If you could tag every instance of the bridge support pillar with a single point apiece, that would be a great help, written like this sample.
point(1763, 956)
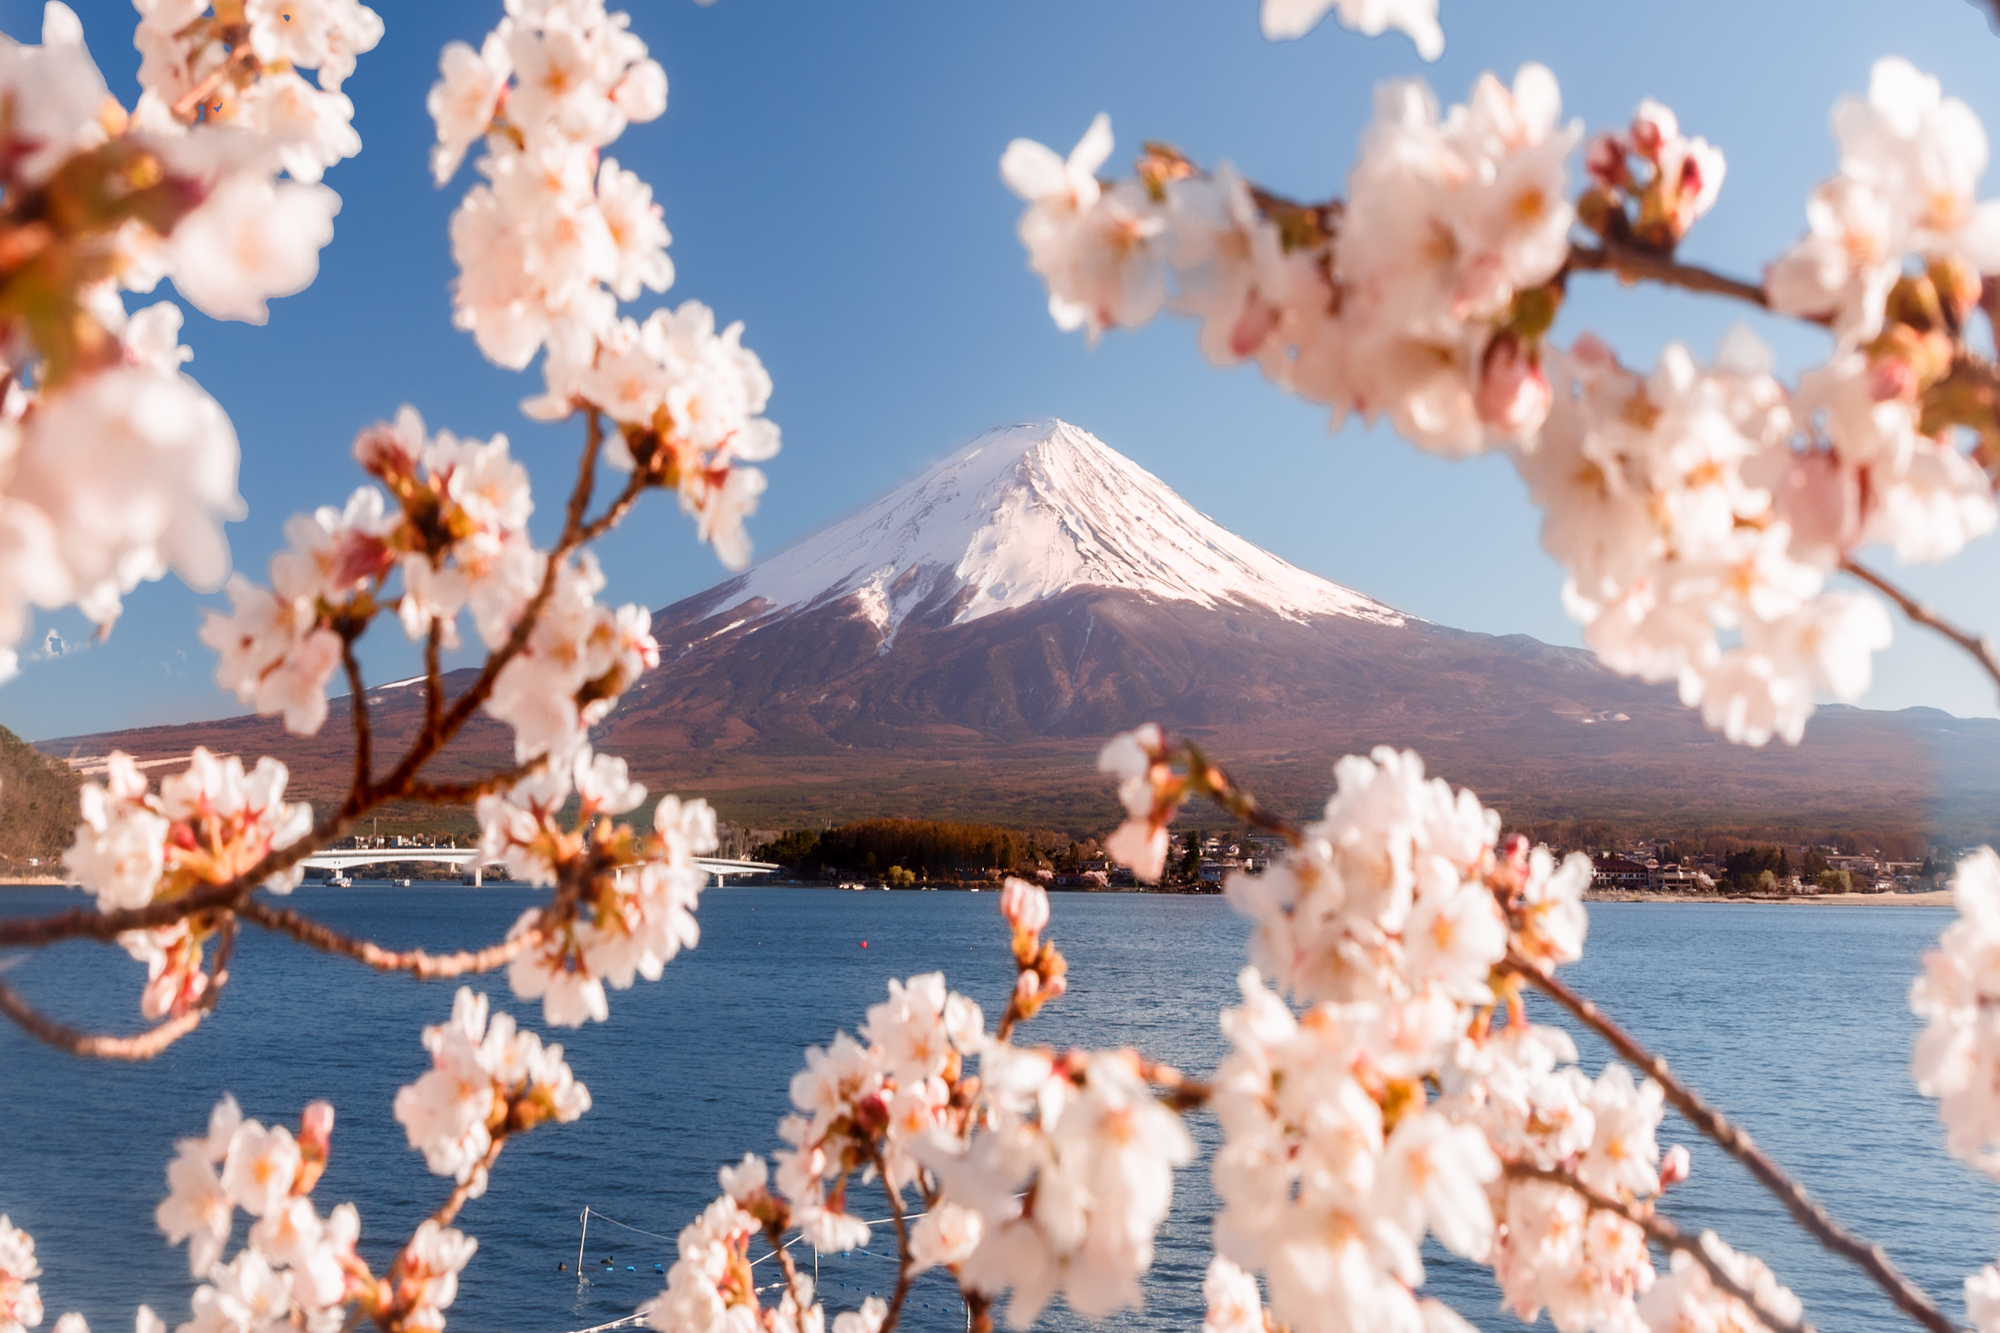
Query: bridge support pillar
point(478, 871)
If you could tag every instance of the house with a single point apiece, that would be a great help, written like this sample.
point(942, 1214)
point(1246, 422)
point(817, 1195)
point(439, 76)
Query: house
point(1618, 872)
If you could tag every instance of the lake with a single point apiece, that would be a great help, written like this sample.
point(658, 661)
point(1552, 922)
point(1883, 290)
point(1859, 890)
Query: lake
point(1793, 1019)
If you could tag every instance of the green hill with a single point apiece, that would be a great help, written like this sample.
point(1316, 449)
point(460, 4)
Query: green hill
point(38, 811)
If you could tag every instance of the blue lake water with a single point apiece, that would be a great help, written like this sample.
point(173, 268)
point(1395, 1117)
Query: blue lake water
point(1791, 1018)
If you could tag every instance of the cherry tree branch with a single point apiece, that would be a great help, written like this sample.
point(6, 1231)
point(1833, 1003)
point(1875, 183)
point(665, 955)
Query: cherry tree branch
point(424, 966)
point(621, 506)
point(1866, 1255)
point(1979, 646)
point(84, 923)
point(1668, 1236)
point(140, 1045)
point(467, 793)
point(1635, 265)
point(433, 677)
point(364, 758)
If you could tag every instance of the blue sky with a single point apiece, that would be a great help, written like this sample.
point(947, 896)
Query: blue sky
point(829, 173)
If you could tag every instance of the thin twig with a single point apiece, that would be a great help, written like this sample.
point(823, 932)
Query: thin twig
point(1980, 647)
point(611, 517)
point(364, 759)
point(1183, 1093)
point(1635, 264)
point(466, 793)
point(1668, 1236)
point(1209, 779)
point(905, 1261)
point(423, 966)
point(140, 1046)
point(1867, 1256)
point(433, 677)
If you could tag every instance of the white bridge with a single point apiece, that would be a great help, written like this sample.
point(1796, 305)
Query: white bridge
point(353, 858)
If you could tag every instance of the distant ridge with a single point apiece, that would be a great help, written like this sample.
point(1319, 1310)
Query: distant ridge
point(960, 646)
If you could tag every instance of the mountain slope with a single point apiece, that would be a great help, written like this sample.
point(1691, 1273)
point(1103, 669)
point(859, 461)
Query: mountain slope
point(961, 646)
point(1022, 514)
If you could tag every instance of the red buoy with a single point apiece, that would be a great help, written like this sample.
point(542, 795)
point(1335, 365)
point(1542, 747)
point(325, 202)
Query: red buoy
point(864, 944)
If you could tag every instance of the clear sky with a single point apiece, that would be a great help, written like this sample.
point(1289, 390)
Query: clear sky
point(829, 174)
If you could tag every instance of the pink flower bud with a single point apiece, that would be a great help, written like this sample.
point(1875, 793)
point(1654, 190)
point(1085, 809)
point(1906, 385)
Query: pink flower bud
point(1253, 326)
point(1653, 126)
point(1027, 984)
point(1514, 395)
point(1674, 1166)
point(1821, 500)
point(1605, 160)
point(316, 1126)
point(1025, 905)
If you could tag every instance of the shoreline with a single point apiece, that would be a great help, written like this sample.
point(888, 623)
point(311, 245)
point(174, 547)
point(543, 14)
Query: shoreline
point(1928, 898)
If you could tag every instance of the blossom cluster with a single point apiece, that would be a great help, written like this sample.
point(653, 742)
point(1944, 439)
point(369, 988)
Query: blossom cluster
point(867, 1106)
point(640, 892)
point(1424, 298)
point(296, 1265)
point(1387, 919)
point(1700, 510)
point(1045, 1174)
point(297, 1269)
point(114, 466)
point(208, 824)
point(558, 235)
point(487, 1078)
point(20, 1294)
point(457, 535)
point(711, 1289)
point(1069, 1172)
point(1398, 1106)
point(1522, 1090)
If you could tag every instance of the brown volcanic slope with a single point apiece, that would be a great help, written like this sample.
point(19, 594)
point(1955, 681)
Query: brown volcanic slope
point(804, 717)
point(960, 647)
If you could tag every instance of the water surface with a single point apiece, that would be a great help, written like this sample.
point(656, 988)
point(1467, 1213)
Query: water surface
point(1791, 1018)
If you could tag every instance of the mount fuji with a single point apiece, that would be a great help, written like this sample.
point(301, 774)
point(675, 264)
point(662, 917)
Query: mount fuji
point(960, 646)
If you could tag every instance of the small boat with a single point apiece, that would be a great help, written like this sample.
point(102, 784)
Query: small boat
point(856, 887)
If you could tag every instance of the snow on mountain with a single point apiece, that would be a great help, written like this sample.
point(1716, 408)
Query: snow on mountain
point(1020, 514)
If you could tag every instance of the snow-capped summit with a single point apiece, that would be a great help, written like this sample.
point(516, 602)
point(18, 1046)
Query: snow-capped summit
point(1019, 515)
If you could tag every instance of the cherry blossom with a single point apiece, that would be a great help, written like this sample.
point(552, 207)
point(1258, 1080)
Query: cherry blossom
point(1233, 1305)
point(425, 1277)
point(1957, 1057)
point(1151, 795)
point(1286, 19)
point(20, 1295)
point(486, 1074)
point(643, 894)
point(1687, 1300)
point(538, 256)
point(1910, 164)
point(1071, 1176)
